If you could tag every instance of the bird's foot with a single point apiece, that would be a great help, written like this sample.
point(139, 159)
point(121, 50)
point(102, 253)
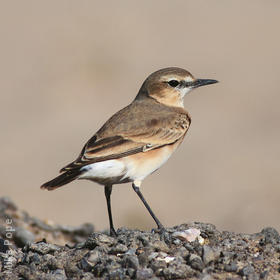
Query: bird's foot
point(160, 230)
point(113, 232)
point(163, 233)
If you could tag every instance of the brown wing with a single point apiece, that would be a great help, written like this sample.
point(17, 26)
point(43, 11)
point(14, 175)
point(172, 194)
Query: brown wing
point(130, 131)
point(105, 149)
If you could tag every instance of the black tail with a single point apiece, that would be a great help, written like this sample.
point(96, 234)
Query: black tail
point(62, 179)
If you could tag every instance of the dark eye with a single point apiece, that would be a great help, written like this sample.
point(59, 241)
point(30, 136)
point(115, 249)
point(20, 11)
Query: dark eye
point(173, 83)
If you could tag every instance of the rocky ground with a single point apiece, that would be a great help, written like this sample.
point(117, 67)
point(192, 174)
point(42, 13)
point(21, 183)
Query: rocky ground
point(35, 249)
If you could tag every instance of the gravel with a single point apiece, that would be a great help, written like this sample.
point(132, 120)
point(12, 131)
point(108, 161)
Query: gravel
point(56, 252)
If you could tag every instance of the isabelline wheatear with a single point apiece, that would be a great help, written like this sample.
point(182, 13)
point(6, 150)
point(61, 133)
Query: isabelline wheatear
point(138, 139)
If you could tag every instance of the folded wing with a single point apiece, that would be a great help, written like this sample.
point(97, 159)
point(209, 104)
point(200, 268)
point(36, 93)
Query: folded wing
point(120, 137)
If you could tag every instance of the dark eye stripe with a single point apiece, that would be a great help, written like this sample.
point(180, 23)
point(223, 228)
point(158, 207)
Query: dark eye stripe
point(173, 83)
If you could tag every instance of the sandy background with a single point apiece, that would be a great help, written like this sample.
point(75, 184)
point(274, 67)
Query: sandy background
point(66, 66)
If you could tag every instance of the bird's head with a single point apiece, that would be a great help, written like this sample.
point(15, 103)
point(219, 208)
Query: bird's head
point(169, 86)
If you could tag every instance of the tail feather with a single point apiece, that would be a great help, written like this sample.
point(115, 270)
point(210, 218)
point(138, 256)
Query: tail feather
point(61, 180)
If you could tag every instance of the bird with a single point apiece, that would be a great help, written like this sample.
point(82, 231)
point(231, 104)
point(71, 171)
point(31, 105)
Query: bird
point(138, 139)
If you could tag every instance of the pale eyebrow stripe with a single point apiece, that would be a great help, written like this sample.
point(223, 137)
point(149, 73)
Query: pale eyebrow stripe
point(189, 79)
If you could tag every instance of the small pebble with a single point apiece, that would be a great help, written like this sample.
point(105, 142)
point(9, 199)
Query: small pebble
point(188, 235)
point(43, 248)
point(131, 261)
point(230, 267)
point(180, 271)
point(209, 254)
point(247, 270)
point(144, 273)
point(271, 236)
point(118, 249)
point(85, 265)
point(23, 236)
point(196, 262)
point(160, 246)
point(59, 274)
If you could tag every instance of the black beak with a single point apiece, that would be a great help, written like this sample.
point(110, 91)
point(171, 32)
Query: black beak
point(203, 82)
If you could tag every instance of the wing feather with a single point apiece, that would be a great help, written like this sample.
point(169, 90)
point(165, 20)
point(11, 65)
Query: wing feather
point(122, 136)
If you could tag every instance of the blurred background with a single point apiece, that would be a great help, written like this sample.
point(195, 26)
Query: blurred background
point(67, 66)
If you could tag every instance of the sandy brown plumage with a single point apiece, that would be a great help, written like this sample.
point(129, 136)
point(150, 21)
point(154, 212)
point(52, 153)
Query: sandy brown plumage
point(143, 125)
point(138, 139)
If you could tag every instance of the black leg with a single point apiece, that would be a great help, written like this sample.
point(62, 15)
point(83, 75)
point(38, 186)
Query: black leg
point(108, 191)
point(137, 190)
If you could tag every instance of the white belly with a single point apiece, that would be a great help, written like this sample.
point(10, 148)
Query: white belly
point(104, 172)
point(141, 165)
point(127, 169)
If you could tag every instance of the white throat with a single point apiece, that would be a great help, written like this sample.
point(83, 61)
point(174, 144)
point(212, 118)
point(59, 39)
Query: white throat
point(184, 91)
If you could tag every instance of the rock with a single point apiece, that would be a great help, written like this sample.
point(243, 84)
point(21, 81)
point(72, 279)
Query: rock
point(41, 225)
point(34, 258)
point(158, 266)
point(143, 256)
point(177, 242)
point(7, 203)
point(88, 276)
point(116, 274)
point(231, 267)
point(190, 234)
point(207, 277)
point(177, 271)
point(189, 247)
point(247, 270)
point(59, 274)
point(118, 249)
point(131, 272)
point(131, 261)
point(82, 230)
point(209, 254)
point(264, 274)
point(159, 245)
point(23, 236)
point(99, 239)
point(144, 273)
point(134, 254)
point(93, 257)
point(71, 270)
point(182, 252)
point(196, 262)
point(43, 248)
point(85, 265)
point(20, 228)
point(271, 236)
